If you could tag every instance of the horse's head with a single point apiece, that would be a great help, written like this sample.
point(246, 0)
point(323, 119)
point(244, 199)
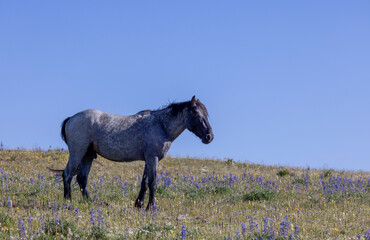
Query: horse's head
point(196, 121)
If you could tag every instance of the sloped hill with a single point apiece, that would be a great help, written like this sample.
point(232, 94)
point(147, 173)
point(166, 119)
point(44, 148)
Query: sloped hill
point(196, 199)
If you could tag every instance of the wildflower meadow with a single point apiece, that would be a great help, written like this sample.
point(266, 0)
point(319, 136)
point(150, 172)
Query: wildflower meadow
point(196, 199)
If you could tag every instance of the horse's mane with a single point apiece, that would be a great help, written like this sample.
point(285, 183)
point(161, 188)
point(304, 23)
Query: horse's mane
point(177, 107)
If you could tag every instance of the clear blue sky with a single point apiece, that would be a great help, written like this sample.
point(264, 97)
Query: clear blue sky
point(285, 82)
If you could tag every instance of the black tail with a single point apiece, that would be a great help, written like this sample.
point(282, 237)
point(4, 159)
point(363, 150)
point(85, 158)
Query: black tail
point(62, 170)
point(63, 131)
point(56, 170)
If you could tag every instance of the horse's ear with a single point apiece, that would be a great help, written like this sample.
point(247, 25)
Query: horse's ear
point(193, 100)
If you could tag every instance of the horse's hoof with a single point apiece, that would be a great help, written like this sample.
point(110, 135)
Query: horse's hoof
point(139, 204)
point(86, 196)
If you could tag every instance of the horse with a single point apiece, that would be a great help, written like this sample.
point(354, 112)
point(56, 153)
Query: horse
point(145, 136)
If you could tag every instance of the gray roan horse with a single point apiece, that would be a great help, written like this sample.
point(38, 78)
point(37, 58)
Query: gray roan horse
point(145, 136)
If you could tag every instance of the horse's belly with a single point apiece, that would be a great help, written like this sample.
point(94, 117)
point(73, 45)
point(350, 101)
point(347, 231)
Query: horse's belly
point(119, 155)
point(122, 151)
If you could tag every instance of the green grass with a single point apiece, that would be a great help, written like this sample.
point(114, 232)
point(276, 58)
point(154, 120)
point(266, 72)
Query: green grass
point(283, 173)
point(211, 199)
point(260, 195)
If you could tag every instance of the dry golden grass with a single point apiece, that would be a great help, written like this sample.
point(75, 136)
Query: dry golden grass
point(199, 198)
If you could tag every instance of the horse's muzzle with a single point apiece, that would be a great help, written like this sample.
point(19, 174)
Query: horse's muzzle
point(208, 139)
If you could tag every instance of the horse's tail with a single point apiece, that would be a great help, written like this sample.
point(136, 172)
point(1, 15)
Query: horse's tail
point(56, 170)
point(63, 131)
point(62, 170)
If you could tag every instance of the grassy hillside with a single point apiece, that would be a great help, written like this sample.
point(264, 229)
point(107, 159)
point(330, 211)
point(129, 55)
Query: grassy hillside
point(196, 199)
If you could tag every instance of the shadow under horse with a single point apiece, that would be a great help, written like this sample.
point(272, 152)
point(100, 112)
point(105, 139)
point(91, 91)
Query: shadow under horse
point(145, 136)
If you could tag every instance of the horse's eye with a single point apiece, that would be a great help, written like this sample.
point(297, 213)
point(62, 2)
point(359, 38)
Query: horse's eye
point(204, 123)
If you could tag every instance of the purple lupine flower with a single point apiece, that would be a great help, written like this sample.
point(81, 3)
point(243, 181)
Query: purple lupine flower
point(296, 231)
point(75, 212)
point(153, 211)
point(244, 229)
point(22, 230)
point(31, 180)
point(284, 227)
point(183, 232)
point(57, 221)
point(367, 235)
point(197, 185)
point(100, 217)
point(124, 187)
point(54, 208)
point(30, 224)
point(237, 235)
point(9, 204)
point(265, 225)
point(252, 224)
point(42, 224)
point(92, 218)
point(272, 231)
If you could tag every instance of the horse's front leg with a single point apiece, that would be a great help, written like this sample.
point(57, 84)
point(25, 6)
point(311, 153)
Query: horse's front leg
point(152, 179)
point(139, 203)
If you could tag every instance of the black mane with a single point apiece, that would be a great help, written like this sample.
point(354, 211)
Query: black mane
point(177, 108)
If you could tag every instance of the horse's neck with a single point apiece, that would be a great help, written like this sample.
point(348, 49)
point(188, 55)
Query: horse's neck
point(173, 125)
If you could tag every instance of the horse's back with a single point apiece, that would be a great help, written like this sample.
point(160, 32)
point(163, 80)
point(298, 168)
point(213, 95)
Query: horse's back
point(97, 118)
point(116, 137)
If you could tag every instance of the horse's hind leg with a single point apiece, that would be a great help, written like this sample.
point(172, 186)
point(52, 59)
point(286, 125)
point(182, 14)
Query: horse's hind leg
point(75, 158)
point(83, 172)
